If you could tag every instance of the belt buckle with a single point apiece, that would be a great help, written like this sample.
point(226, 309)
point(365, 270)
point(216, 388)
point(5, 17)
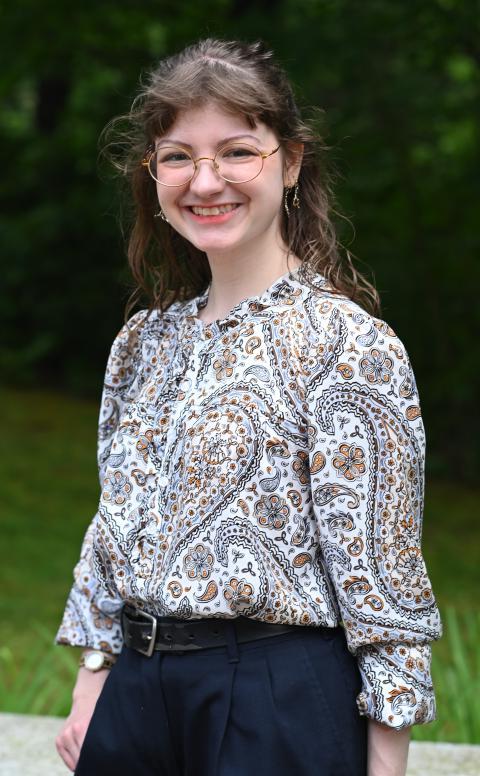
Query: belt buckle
point(148, 652)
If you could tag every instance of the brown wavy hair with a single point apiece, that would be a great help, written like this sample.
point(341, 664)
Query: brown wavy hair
point(243, 78)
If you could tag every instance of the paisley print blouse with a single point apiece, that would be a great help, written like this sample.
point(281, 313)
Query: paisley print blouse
point(270, 464)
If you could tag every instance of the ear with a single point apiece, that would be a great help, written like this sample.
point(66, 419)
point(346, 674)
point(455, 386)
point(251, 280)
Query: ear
point(293, 163)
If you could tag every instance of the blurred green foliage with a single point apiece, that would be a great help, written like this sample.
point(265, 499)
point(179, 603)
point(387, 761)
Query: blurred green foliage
point(400, 86)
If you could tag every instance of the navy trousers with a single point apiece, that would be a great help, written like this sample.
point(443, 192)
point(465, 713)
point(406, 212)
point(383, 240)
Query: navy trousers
point(279, 706)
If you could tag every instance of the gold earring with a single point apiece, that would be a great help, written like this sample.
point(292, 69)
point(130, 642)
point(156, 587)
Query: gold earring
point(285, 200)
point(161, 215)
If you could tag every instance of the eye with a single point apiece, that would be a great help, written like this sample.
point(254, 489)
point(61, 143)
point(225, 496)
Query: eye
point(238, 153)
point(172, 156)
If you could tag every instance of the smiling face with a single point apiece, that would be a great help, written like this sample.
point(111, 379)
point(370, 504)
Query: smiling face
point(214, 215)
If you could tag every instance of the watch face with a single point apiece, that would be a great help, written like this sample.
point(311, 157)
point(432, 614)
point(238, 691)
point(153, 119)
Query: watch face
point(94, 661)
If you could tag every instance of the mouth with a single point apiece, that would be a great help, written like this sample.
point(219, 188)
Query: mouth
point(214, 210)
point(214, 215)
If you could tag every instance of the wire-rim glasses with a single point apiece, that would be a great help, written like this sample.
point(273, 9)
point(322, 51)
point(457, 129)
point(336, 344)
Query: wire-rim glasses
point(235, 162)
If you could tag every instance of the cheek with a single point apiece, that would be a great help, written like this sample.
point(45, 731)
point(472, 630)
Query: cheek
point(165, 196)
point(267, 191)
point(270, 200)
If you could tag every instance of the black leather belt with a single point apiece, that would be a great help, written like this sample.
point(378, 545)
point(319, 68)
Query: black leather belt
point(146, 633)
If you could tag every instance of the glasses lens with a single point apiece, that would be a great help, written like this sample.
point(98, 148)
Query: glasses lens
point(239, 163)
point(171, 166)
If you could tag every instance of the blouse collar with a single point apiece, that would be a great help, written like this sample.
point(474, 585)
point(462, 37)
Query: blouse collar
point(276, 294)
point(286, 290)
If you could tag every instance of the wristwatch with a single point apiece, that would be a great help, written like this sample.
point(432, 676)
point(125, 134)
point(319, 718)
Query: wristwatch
point(96, 660)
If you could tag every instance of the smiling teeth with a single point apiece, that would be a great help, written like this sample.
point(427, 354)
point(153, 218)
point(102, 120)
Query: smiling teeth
point(213, 211)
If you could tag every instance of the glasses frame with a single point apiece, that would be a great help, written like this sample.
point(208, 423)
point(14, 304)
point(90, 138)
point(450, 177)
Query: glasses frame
point(147, 158)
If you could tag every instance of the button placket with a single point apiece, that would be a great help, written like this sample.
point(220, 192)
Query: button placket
point(186, 383)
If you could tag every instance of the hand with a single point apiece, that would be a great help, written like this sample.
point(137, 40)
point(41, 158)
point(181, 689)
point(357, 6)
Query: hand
point(85, 695)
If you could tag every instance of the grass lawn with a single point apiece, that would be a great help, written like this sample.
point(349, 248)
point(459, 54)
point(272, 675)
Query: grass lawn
point(49, 495)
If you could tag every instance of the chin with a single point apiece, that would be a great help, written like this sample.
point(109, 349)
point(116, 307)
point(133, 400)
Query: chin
point(215, 245)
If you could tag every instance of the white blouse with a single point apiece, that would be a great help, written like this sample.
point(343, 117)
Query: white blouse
point(270, 464)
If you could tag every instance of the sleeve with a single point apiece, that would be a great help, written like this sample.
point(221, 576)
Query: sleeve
point(92, 613)
point(367, 453)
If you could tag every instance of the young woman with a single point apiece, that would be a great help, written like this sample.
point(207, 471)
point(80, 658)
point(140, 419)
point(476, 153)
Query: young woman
point(251, 593)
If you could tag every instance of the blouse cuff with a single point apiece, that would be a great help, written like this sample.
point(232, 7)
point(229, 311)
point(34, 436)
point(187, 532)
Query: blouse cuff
point(397, 686)
point(84, 624)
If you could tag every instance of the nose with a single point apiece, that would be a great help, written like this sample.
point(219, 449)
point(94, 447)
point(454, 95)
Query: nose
point(206, 180)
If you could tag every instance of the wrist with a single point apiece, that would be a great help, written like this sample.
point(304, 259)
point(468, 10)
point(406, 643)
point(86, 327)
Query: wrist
point(95, 660)
point(387, 749)
point(88, 685)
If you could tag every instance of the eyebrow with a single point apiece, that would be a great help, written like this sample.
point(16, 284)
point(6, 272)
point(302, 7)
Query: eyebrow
point(173, 141)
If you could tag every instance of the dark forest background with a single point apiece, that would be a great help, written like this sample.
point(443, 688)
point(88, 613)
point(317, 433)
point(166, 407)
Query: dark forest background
point(399, 83)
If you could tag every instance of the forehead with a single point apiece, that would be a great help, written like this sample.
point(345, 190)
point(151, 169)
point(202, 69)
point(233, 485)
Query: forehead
point(213, 123)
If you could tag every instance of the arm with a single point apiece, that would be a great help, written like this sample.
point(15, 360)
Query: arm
point(92, 613)
point(367, 475)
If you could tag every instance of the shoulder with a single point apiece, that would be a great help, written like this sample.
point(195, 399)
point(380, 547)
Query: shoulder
point(133, 326)
point(350, 347)
point(136, 345)
point(331, 309)
point(144, 326)
point(127, 340)
point(126, 350)
point(341, 321)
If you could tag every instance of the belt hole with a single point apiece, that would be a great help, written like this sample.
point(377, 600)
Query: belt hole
point(191, 635)
point(215, 632)
point(168, 637)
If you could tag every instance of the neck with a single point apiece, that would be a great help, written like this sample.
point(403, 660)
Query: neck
point(237, 277)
